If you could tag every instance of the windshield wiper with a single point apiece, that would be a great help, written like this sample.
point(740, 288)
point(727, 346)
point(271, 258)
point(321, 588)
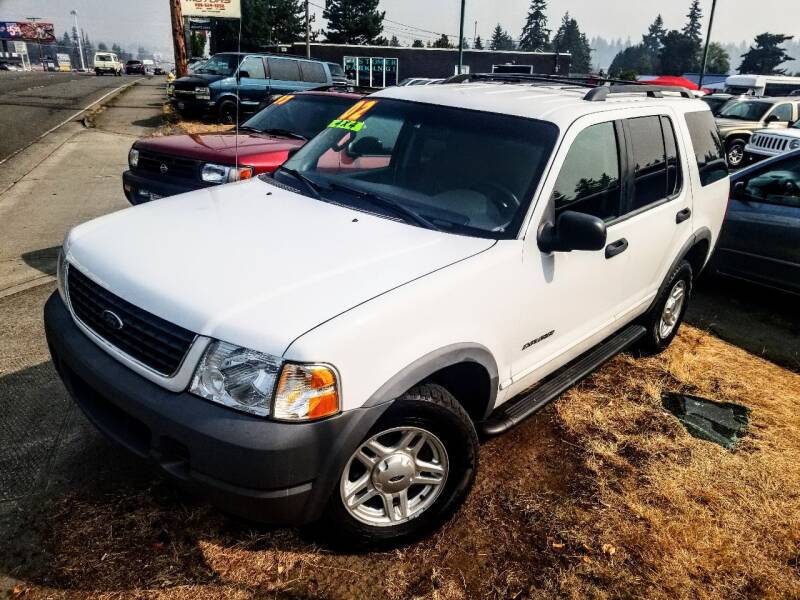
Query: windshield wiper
point(247, 128)
point(310, 184)
point(284, 133)
point(384, 202)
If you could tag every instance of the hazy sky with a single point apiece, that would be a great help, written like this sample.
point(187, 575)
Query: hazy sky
point(146, 22)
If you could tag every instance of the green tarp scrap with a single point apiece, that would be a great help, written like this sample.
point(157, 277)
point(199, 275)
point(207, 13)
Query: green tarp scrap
point(723, 423)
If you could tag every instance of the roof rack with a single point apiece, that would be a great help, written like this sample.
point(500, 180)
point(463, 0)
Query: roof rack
point(599, 87)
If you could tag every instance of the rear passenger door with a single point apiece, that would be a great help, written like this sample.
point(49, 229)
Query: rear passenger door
point(285, 75)
point(656, 220)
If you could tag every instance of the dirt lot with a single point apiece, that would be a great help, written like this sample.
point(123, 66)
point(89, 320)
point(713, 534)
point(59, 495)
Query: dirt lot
point(601, 495)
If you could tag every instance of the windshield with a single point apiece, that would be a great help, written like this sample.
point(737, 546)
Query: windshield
point(458, 170)
point(305, 114)
point(102, 57)
point(221, 64)
point(745, 110)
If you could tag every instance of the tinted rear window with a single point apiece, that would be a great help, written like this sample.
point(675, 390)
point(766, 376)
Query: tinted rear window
point(709, 150)
point(313, 72)
point(336, 70)
point(284, 69)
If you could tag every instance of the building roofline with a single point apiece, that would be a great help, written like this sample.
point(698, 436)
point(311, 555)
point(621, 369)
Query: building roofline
point(439, 49)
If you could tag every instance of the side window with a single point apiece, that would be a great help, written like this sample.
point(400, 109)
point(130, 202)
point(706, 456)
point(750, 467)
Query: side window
point(313, 72)
point(254, 66)
point(649, 161)
point(709, 151)
point(589, 178)
point(783, 112)
point(779, 184)
point(284, 69)
point(674, 167)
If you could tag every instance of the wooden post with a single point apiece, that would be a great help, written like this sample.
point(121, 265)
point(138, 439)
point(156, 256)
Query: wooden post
point(178, 37)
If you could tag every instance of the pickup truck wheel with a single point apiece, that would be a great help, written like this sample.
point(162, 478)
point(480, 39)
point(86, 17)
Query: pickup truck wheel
point(227, 112)
point(409, 474)
point(666, 315)
point(735, 153)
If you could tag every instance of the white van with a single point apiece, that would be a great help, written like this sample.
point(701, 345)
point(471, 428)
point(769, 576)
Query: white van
point(762, 85)
point(107, 62)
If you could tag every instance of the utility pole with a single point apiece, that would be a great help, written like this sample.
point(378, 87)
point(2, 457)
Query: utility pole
point(178, 37)
point(308, 34)
point(708, 41)
point(461, 39)
point(74, 13)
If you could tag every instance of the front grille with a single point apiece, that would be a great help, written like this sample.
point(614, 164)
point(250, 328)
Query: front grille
point(770, 142)
point(149, 339)
point(164, 165)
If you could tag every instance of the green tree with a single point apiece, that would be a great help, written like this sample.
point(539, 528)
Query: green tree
point(353, 21)
point(501, 40)
point(102, 46)
point(694, 26)
point(654, 38)
point(569, 38)
point(417, 44)
point(678, 54)
point(718, 59)
point(766, 56)
point(634, 59)
point(264, 22)
point(197, 43)
point(478, 43)
point(395, 43)
point(442, 42)
point(535, 34)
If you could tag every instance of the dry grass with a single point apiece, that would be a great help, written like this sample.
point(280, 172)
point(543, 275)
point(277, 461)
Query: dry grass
point(174, 124)
point(602, 495)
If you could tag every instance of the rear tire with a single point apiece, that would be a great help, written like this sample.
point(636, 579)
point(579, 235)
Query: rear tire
point(227, 112)
point(421, 472)
point(735, 153)
point(666, 315)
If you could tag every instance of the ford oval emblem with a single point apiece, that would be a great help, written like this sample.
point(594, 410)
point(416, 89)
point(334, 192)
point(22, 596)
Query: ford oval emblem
point(163, 168)
point(112, 320)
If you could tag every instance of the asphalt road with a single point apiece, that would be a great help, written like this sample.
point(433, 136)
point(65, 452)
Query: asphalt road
point(33, 103)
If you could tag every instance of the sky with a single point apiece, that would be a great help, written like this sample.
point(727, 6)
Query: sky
point(146, 22)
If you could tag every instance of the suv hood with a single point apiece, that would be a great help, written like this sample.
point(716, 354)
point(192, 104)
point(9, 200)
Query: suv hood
point(220, 147)
point(255, 265)
point(738, 124)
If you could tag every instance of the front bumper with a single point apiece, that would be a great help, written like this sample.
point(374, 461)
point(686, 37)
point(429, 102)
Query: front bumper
point(259, 469)
point(139, 189)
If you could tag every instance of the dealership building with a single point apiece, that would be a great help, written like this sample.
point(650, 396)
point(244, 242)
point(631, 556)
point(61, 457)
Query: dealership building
point(383, 66)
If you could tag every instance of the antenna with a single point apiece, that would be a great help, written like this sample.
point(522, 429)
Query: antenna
point(238, 84)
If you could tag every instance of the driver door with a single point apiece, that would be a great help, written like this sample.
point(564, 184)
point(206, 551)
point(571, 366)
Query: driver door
point(253, 82)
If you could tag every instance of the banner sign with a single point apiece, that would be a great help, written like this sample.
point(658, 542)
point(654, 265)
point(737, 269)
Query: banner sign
point(27, 31)
point(230, 9)
point(199, 24)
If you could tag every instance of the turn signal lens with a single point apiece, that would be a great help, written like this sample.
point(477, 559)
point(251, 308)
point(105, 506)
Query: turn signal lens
point(305, 393)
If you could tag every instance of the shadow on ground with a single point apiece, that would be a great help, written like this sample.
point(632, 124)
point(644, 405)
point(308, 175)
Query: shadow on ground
point(43, 260)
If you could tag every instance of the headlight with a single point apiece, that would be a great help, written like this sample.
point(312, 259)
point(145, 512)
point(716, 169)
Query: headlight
point(246, 380)
point(237, 377)
point(794, 144)
point(213, 173)
point(202, 93)
point(133, 158)
point(306, 392)
point(61, 274)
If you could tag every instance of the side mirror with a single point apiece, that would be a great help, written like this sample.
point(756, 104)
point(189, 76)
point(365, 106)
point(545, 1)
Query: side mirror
point(737, 192)
point(243, 75)
point(773, 119)
point(572, 231)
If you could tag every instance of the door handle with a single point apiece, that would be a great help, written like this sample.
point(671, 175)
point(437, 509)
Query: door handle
point(617, 247)
point(683, 215)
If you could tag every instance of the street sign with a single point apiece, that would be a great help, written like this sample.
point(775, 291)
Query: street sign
point(27, 31)
point(231, 9)
point(199, 24)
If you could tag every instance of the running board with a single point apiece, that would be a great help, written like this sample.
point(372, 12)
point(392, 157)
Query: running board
point(514, 411)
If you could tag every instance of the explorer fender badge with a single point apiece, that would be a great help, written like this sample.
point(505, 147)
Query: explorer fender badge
point(538, 339)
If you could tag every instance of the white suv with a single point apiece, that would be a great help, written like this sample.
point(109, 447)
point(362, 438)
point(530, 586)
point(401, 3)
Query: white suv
point(328, 344)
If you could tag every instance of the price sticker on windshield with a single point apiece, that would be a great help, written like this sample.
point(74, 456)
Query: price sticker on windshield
point(351, 118)
point(283, 99)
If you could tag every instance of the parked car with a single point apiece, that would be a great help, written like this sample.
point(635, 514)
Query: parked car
point(213, 86)
point(738, 119)
point(760, 240)
point(174, 164)
point(328, 342)
point(134, 67)
point(107, 62)
point(766, 143)
point(4, 66)
point(716, 102)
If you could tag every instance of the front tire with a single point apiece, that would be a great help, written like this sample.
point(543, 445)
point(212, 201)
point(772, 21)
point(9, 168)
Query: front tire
point(665, 317)
point(410, 473)
point(735, 153)
point(227, 112)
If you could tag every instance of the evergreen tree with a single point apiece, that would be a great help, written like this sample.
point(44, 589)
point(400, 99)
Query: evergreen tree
point(442, 42)
point(501, 40)
point(353, 21)
point(766, 56)
point(264, 22)
point(417, 44)
point(694, 27)
point(718, 59)
point(654, 38)
point(102, 47)
point(535, 34)
point(395, 43)
point(678, 54)
point(569, 38)
point(634, 60)
point(478, 43)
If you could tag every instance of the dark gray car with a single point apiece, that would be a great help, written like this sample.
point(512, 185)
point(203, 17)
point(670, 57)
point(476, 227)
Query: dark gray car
point(760, 239)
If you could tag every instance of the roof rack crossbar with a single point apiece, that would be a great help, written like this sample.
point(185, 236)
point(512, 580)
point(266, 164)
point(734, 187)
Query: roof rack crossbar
point(599, 94)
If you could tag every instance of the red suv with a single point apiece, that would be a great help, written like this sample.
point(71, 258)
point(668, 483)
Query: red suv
point(169, 165)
